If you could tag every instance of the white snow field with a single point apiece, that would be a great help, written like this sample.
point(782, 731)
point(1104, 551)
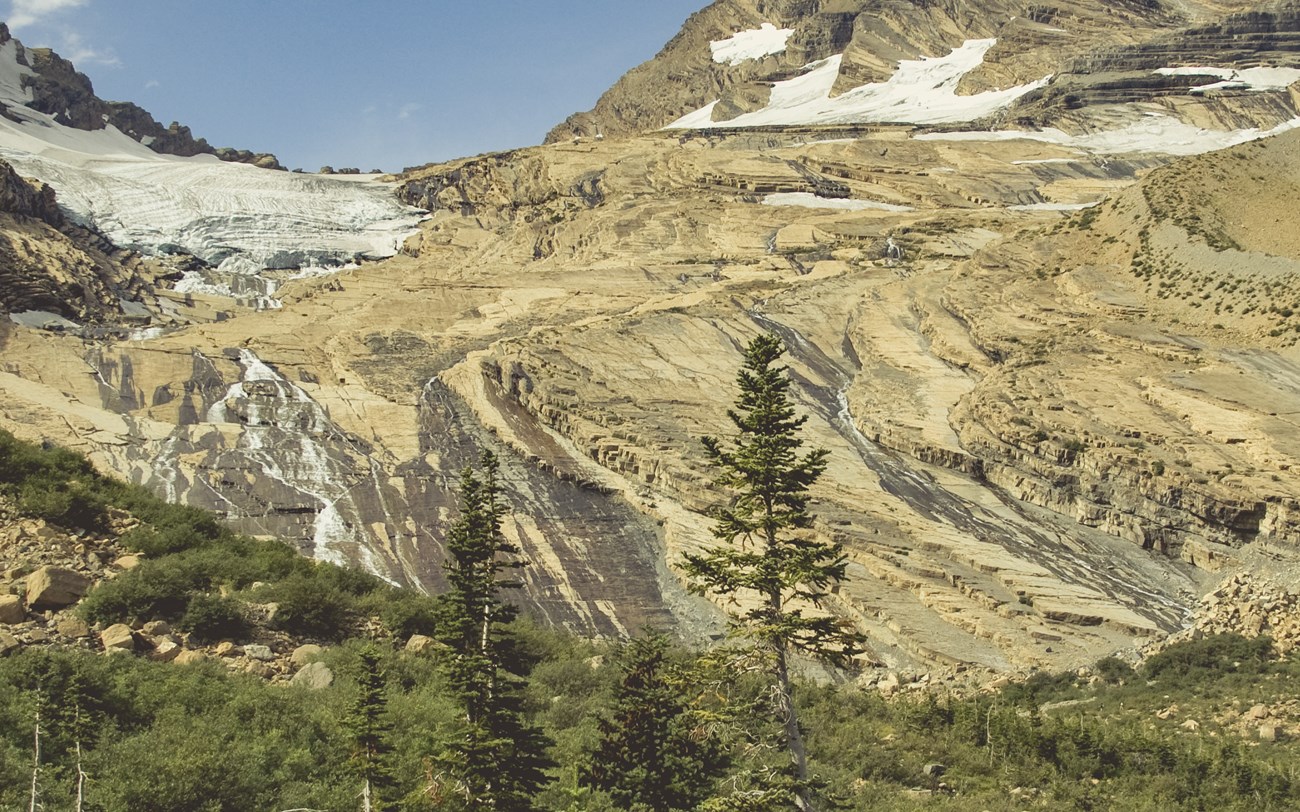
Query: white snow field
point(1154, 133)
point(808, 200)
point(234, 215)
point(921, 91)
point(744, 46)
point(1252, 79)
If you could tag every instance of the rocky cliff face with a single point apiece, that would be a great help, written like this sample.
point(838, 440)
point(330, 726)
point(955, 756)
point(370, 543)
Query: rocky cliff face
point(1080, 42)
point(1053, 365)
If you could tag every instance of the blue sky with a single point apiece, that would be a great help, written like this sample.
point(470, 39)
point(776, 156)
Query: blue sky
point(373, 84)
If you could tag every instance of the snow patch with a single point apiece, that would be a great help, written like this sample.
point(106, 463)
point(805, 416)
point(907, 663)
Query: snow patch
point(765, 40)
point(921, 91)
point(809, 200)
point(1155, 133)
point(1252, 79)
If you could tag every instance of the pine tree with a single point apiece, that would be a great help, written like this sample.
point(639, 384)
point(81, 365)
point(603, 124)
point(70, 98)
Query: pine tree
point(767, 559)
point(653, 754)
point(495, 760)
point(369, 729)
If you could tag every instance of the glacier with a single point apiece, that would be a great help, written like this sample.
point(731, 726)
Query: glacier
point(238, 218)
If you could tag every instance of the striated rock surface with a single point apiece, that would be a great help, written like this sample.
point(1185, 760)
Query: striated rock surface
point(1055, 368)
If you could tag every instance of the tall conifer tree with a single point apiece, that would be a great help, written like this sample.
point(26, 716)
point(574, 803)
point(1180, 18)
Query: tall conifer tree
point(495, 760)
point(768, 562)
point(369, 729)
point(653, 754)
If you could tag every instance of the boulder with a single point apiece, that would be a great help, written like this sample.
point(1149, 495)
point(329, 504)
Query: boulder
point(11, 609)
point(127, 562)
point(72, 626)
point(190, 657)
point(228, 649)
point(118, 637)
point(305, 654)
point(259, 669)
point(420, 644)
point(8, 643)
point(157, 628)
point(1268, 733)
point(165, 650)
point(55, 588)
point(259, 652)
point(314, 677)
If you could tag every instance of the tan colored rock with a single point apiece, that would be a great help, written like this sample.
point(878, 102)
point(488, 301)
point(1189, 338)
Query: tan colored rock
point(314, 677)
point(72, 626)
point(165, 650)
point(118, 638)
point(156, 628)
point(126, 562)
point(55, 588)
point(11, 609)
point(190, 657)
point(8, 643)
point(304, 654)
point(1268, 733)
point(420, 644)
point(227, 649)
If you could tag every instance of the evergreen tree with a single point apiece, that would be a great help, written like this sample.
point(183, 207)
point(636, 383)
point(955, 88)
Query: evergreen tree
point(495, 760)
point(370, 729)
point(653, 754)
point(768, 563)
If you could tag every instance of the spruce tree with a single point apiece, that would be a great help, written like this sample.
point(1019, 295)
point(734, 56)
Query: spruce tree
point(495, 760)
point(369, 730)
point(768, 562)
point(653, 754)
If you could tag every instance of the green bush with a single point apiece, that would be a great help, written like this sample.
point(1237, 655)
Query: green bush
point(1210, 656)
point(210, 618)
point(311, 606)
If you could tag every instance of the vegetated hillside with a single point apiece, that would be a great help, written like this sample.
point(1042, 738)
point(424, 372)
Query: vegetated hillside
point(1032, 464)
point(1210, 723)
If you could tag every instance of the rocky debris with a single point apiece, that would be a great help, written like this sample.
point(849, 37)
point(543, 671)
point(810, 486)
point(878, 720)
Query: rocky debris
point(1250, 605)
point(55, 588)
point(118, 638)
point(314, 677)
point(11, 609)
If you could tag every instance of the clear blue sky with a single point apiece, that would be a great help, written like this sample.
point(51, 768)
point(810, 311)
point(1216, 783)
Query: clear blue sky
point(372, 84)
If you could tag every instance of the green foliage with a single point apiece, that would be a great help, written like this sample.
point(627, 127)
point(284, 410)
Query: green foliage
point(210, 618)
point(369, 731)
point(1198, 659)
point(496, 759)
point(653, 753)
point(767, 552)
point(311, 605)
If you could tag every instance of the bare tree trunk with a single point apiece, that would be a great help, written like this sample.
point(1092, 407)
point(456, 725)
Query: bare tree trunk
point(365, 797)
point(81, 779)
point(789, 717)
point(36, 758)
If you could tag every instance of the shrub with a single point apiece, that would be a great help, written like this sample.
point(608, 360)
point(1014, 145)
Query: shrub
point(210, 618)
point(1114, 671)
point(1220, 653)
point(311, 606)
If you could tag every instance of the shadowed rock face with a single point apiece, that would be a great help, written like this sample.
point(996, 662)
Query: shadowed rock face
point(1054, 374)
